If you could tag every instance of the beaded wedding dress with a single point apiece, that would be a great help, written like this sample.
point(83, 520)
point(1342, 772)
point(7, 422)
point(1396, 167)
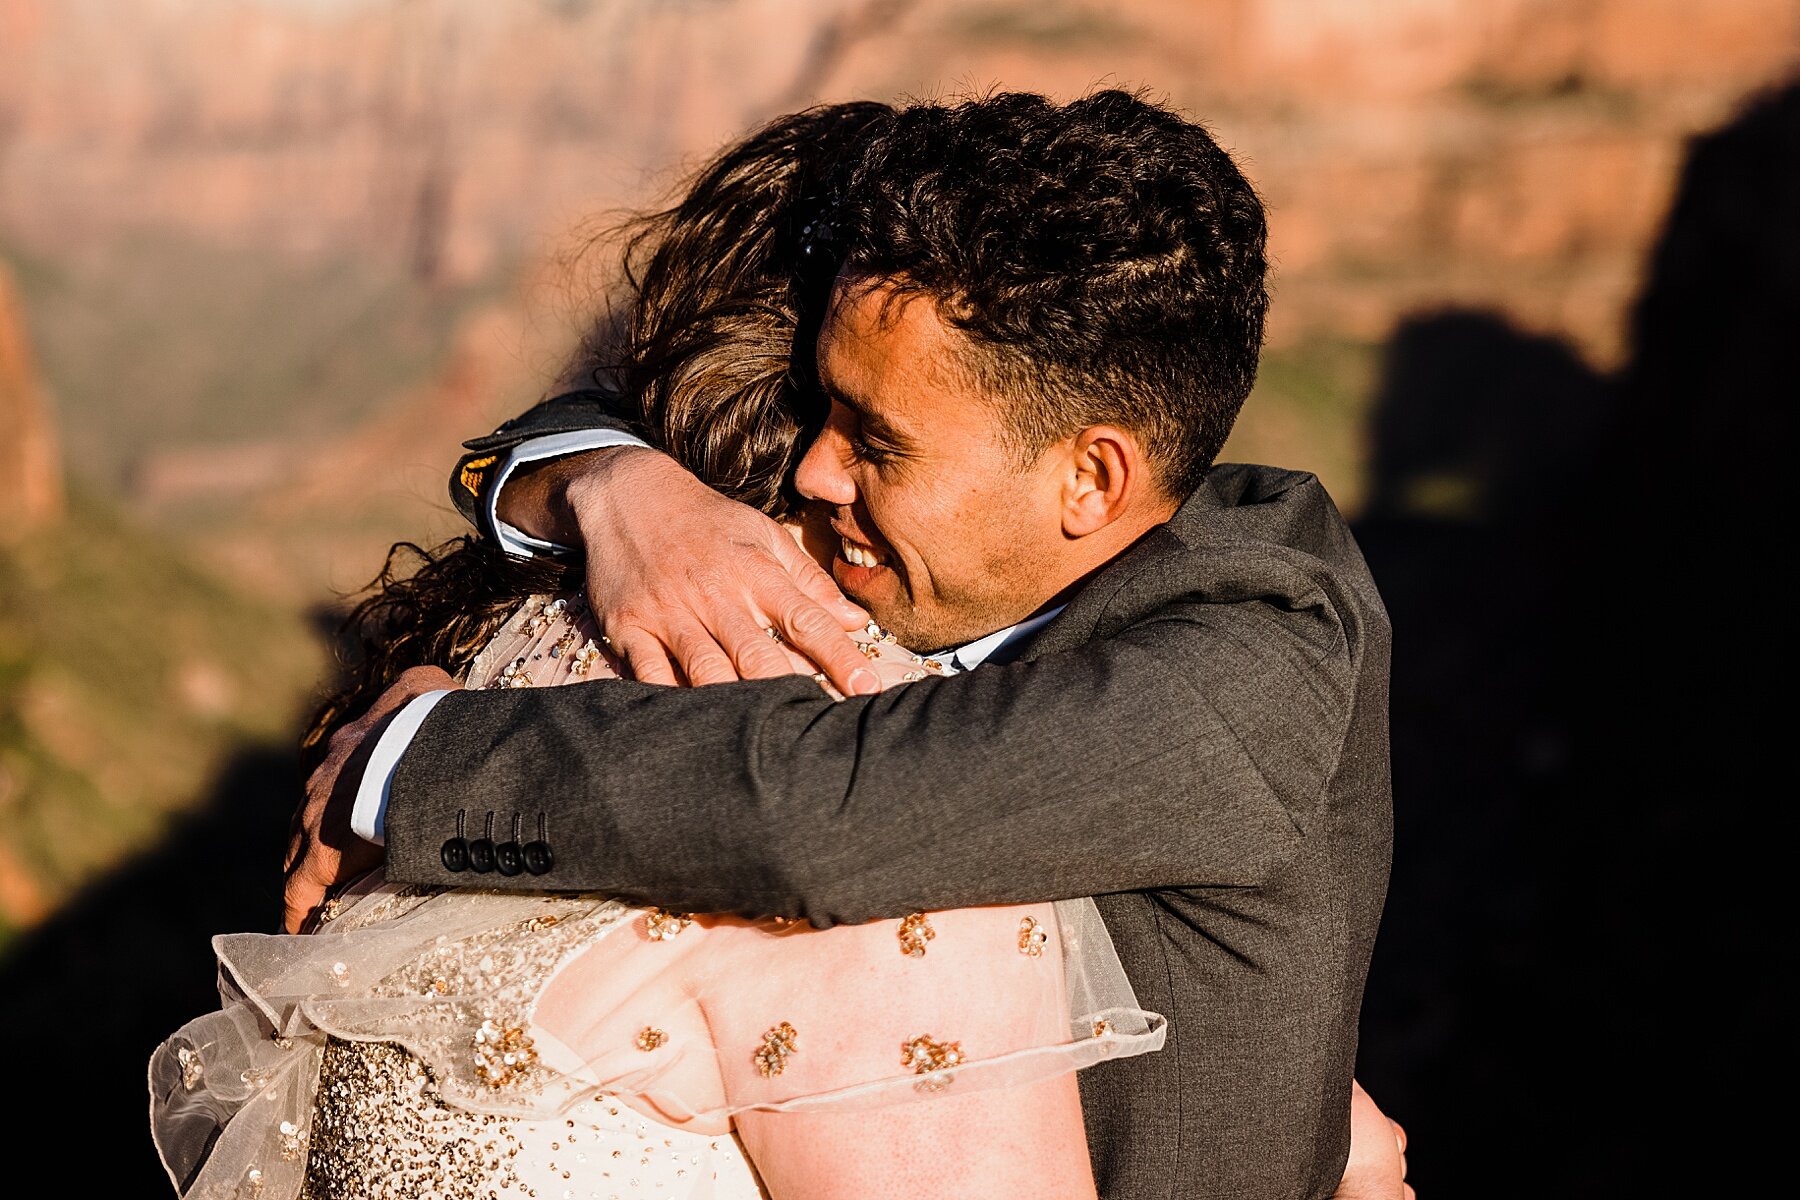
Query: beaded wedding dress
point(463, 1044)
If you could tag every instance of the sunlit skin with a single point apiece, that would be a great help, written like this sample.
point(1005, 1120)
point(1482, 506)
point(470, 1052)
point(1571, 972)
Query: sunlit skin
point(955, 533)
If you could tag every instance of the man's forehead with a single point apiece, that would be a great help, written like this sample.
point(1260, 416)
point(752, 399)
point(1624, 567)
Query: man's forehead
point(867, 312)
point(887, 346)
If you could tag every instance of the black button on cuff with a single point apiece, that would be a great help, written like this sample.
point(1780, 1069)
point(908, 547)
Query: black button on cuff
point(508, 858)
point(481, 855)
point(455, 855)
point(538, 858)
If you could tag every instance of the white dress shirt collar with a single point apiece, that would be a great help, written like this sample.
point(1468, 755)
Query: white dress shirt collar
point(967, 658)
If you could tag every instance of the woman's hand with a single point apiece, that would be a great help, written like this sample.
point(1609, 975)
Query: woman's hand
point(1377, 1166)
point(685, 584)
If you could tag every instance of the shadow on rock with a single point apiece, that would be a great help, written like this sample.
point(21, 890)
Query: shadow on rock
point(1573, 988)
point(91, 992)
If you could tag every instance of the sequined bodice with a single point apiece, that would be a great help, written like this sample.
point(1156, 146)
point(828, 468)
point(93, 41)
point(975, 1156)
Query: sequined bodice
point(381, 1129)
point(379, 1132)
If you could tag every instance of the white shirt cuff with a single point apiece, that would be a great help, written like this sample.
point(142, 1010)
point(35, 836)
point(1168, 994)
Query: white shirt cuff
point(368, 820)
point(515, 541)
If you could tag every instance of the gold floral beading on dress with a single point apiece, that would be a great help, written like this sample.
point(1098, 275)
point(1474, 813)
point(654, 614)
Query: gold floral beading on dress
point(502, 1055)
point(1032, 937)
point(583, 660)
point(516, 674)
point(932, 1059)
point(192, 1068)
point(450, 1130)
point(292, 1141)
point(778, 1045)
point(661, 924)
point(537, 620)
point(915, 930)
point(1102, 1027)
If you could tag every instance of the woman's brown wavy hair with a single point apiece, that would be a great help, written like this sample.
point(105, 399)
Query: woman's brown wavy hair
point(698, 349)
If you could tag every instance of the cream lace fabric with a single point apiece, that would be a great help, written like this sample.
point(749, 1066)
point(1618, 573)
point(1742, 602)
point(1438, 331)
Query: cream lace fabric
point(465, 1043)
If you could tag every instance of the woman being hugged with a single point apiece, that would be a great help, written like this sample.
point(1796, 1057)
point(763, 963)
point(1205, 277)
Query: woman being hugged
point(468, 1043)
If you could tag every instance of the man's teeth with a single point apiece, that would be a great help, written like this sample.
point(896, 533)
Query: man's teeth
point(859, 556)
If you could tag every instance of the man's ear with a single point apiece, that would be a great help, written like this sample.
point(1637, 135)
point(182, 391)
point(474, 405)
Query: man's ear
point(1105, 473)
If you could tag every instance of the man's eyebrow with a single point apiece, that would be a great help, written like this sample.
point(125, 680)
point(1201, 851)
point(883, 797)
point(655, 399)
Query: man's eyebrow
point(872, 424)
point(882, 430)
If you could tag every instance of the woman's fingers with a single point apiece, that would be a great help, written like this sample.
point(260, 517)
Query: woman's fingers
point(758, 651)
point(1400, 1140)
point(687, 583)
point(700, 657)
point(810, 629)
point(1376, 1169)
point(817, 585)
point(644, 657)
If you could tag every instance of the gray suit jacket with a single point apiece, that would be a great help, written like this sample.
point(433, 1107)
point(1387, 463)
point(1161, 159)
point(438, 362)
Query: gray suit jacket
point(1199, 741)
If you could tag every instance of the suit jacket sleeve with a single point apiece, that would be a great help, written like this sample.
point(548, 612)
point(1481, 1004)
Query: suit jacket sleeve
point(1190, 746)
point(585, 408)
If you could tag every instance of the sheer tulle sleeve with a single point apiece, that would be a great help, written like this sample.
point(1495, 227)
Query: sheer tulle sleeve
point(732, 1015)
point(523, 1004)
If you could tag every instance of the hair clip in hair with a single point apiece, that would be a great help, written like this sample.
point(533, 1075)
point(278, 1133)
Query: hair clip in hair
point(815, 238)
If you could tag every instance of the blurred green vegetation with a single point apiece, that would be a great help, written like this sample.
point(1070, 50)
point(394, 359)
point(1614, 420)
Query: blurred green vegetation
point(1048, 25)
point(136, 660)
point(156, 342)
point(127, 676)
point(1310, 412)
point(1572, 92)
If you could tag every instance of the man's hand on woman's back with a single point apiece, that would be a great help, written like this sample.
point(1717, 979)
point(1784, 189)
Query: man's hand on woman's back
point(687, 584)
point(323, 851)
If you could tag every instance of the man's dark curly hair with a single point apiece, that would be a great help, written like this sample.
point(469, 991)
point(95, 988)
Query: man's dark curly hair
point(1105, 258)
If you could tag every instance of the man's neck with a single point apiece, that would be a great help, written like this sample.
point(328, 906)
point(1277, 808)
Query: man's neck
point(1091, 555)
point(1087, 558)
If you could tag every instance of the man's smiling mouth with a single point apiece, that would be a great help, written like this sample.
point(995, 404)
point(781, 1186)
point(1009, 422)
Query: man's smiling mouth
point(859, 555)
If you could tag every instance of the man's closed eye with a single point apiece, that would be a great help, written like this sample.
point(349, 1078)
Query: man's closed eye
point(870, 452)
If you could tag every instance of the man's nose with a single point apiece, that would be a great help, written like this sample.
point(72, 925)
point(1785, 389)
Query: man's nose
point(822, 475)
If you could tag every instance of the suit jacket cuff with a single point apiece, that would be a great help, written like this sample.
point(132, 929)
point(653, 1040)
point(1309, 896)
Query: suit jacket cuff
point(582, 410)
point(368, 819)
point(513, 540)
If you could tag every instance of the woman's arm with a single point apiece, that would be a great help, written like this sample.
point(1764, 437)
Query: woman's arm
point(1023, 1141)
point(852, 998)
